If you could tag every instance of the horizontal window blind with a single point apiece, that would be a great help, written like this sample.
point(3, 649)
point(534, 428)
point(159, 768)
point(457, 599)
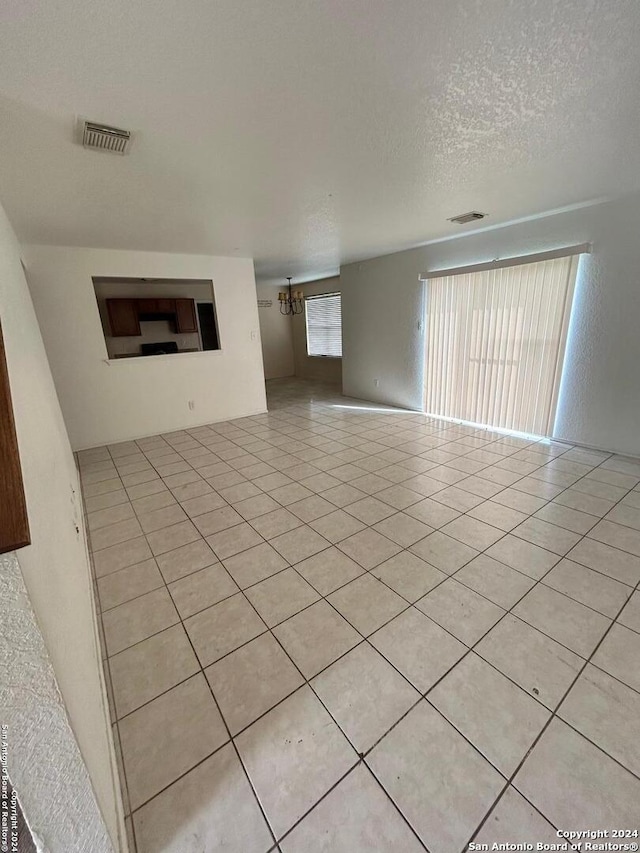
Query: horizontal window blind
point(495, 344)
point(324, 325)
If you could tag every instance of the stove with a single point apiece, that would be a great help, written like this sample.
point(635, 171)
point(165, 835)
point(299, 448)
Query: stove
point(162, 348)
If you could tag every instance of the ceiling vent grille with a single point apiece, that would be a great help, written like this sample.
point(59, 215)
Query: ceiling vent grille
point(101, 137)
point(463, 218)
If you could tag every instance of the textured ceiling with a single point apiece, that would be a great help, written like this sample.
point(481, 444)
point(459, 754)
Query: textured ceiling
point(306, 133)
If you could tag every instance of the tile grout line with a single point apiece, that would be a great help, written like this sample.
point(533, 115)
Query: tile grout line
point(305, 683)
point(553, 710)
point(394, 590)
point(554, 715)
point(374, 567)
point(248, 521)
point(451, 575)
point(121, 769)
point(461, 515)
point(577, 676)
point(232, 738)
point(221, 746)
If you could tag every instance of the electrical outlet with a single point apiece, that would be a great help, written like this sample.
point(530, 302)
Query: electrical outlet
point(192, 404)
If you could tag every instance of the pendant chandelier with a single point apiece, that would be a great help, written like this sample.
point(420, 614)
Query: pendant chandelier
point(290, 302)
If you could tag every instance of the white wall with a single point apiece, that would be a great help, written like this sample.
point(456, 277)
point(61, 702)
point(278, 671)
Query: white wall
point(105, 402)
point(323, 369)
point(383, 307)
point(47, 621)
point(276, 333)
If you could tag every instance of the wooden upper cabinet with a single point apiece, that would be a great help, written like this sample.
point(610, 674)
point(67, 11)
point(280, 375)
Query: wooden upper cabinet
point(124, 314)
point(186, 315)
point(147, 306)
point(156, 306)
point(123, 317)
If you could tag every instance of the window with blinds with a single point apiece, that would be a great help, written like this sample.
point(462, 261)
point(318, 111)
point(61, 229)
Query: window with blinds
point(495, 343)
point(324, 325)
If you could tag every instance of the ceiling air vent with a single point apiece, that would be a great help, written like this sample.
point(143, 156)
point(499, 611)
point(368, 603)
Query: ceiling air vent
point(463, 218)
point(105, 138)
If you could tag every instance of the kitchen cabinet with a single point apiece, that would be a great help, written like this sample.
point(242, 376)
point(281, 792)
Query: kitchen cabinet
point(186, 315)
point(124, 314)
point(166, 306)
point(123, 317)
point(147, 306)
point(156, 306)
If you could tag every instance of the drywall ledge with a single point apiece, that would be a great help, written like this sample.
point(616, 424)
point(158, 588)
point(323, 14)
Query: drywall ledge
point(44, 762)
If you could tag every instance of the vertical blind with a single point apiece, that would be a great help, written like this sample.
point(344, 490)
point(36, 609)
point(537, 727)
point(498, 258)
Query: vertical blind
point(324, 325)
point(495, 344)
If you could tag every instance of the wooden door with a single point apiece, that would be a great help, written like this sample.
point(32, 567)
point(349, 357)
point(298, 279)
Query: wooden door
point(14, 524)
point(186, 315)
point(123, 317)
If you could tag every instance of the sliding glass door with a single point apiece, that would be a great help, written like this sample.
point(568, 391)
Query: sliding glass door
point(495, 343)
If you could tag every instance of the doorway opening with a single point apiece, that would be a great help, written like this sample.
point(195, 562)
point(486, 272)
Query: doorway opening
point(207, 325)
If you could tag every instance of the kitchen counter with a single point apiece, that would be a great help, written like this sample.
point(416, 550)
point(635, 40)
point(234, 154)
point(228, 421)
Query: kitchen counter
point(139, 355)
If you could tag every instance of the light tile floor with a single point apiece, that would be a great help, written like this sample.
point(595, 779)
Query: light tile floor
point(336, 627)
